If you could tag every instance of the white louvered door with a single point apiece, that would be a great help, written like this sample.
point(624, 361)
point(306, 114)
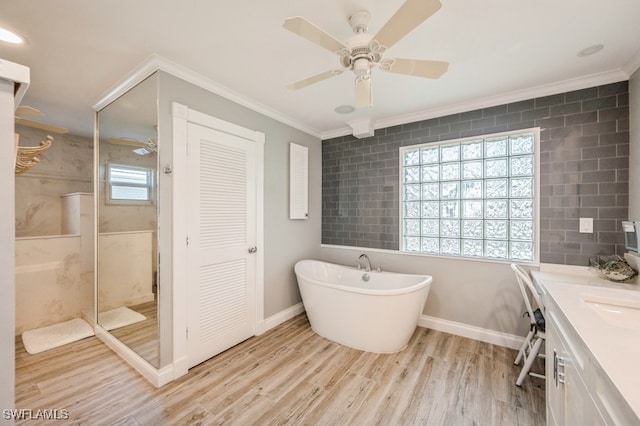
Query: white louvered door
point(221, 230)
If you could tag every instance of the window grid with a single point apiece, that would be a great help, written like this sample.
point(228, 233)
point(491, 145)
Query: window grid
point(129, 183)
point(471, 198)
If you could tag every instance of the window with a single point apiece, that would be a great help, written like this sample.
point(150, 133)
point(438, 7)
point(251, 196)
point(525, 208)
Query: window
point(472, 197)
point(129, 184)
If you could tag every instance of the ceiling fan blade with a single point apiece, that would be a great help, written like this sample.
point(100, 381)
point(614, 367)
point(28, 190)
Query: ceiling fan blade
point(313, 79)
point(416, 67)
point(27, 111)
point(363, 92)
point(42, 126)
point(411, 14)
point(300, 26)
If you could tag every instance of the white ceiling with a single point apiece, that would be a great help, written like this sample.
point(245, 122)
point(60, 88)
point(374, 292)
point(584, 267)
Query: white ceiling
point(497, 49)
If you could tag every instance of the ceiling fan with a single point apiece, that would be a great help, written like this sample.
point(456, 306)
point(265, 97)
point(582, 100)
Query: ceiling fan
point(362, 52)
point(24, 116)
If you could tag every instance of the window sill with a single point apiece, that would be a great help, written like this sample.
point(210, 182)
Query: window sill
point(535, 263)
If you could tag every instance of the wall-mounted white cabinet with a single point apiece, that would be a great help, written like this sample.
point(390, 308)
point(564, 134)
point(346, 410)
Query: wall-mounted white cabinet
point(298, 181)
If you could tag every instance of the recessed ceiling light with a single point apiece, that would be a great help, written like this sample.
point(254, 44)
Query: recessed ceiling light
point(591, 50)
point(344, 109)
point(10, 36)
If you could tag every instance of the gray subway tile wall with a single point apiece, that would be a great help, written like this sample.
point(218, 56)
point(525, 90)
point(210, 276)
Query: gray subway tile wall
point(584, 172)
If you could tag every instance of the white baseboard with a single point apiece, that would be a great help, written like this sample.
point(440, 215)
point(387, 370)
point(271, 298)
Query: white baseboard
point(471, 332)
point(164, 375)
point(279, 318)
point(426, 321)
point(153, 375)
point(180, 367)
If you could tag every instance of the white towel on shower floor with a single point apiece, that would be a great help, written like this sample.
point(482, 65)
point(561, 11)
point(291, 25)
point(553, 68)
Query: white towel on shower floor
point(119, 317)
point(52, 336)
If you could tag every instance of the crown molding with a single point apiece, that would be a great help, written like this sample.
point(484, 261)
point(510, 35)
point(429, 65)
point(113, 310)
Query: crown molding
point(633, 65)
point(501, 99)
point(126, 83)
point(343, 131)
point(158, 63)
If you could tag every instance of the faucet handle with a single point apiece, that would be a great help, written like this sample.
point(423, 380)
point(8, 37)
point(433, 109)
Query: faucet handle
point(379, 268)
point(358, 265)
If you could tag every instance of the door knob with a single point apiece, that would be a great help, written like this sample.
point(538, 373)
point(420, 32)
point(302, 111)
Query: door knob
point(253, 249)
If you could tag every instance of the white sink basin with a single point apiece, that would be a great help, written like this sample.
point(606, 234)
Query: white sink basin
point(618, 312)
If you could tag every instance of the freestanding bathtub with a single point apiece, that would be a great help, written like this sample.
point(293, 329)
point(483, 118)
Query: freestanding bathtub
point(371, 311)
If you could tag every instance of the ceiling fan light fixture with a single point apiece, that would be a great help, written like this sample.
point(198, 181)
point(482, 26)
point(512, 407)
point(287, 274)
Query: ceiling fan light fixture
point(364, 51)
point(10, 37)
point(362, 67)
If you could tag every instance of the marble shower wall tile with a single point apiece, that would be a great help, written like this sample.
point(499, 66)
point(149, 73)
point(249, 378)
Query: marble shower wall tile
point(39, 204)
point(50, 287)
point(66, 167)
point(125, 274)
point(127, 217)
point(77, 216)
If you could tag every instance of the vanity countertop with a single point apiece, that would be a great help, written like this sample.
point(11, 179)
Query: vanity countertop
point(606, 316)
point(584, 276)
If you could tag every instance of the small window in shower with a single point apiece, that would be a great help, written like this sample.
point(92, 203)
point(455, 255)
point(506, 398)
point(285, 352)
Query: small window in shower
point(129, 184)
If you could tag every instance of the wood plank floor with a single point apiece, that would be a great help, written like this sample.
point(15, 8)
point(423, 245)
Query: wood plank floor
point(289, 375)
point(142, 337)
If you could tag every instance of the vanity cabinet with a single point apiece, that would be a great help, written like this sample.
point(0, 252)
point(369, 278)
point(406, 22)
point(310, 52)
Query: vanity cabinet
point(578, 391)
point(568, 399)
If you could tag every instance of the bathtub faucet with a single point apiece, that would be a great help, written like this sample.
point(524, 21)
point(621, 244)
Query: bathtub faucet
point(367, 262)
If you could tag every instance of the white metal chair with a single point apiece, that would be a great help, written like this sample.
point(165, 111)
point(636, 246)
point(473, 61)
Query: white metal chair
point(530, 349)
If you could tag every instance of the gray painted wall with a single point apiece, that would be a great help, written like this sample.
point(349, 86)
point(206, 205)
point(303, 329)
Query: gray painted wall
point(286, 241)
point(480, 294)
point(634, 146)
point(7, 242)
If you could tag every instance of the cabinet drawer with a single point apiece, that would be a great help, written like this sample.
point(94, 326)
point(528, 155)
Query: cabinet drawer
point(572, 341)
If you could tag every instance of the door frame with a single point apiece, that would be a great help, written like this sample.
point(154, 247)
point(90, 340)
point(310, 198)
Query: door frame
point(182, 115)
